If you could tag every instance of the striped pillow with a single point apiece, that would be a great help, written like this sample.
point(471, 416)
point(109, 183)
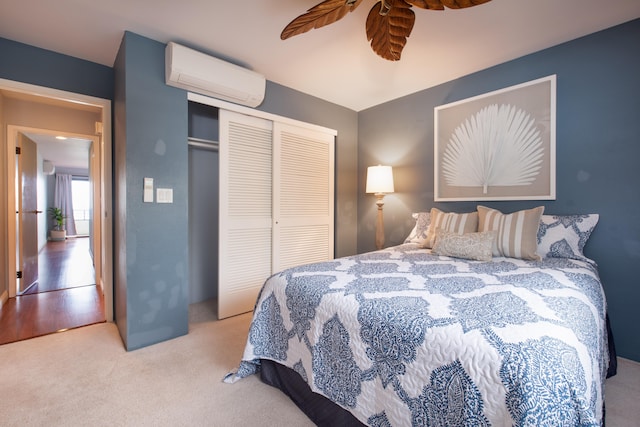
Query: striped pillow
point(459, 223)
point(517, 232)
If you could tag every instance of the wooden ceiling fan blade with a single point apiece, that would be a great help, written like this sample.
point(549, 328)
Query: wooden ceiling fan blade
point(388, 32)
point(325, 13)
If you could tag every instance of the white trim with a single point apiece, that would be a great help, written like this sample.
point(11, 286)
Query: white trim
point(207, 100)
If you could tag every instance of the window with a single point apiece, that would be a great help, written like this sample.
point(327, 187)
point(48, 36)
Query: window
point(81, 196)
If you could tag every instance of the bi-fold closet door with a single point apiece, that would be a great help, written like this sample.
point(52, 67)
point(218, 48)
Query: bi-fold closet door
point(276, 203)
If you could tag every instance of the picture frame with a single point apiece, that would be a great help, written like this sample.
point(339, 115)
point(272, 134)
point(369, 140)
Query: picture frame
point(499, 145)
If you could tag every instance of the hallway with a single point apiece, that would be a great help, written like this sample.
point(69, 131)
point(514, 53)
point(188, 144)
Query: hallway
point(65, 296)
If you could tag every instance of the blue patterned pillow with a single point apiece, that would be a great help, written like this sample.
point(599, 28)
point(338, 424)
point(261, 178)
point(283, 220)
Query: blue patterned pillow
point(564, 236)
point(419, 232)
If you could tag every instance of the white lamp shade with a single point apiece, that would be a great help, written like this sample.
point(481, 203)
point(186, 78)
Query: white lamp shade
point(379, 179)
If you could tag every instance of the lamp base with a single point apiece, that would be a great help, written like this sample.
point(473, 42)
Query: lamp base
point(379, 222)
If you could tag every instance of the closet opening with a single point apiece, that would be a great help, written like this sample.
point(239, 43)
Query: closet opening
point(203, 203)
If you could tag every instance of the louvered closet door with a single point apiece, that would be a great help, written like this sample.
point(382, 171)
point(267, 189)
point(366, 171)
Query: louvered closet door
point(245, 211)
point(303, 199)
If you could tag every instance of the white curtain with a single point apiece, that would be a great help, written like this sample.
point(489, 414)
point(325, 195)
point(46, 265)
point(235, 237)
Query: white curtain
point(62, 199)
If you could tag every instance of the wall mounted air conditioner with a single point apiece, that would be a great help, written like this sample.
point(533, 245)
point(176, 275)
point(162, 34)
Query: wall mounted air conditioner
point(48, 168)
point(197, 72)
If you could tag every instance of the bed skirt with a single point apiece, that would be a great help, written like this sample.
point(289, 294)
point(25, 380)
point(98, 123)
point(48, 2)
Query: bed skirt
point(318, 408)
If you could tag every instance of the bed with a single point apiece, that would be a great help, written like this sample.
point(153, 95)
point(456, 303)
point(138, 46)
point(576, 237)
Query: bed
point(450, 328)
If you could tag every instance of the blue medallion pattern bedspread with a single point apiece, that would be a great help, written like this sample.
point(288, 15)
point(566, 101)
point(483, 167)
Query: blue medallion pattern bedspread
point(401, 337)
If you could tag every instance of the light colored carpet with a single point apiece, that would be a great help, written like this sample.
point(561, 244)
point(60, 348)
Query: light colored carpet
point(84, 377)
point(623, 395)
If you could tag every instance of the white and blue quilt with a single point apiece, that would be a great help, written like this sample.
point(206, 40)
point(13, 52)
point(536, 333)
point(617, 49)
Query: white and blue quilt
point(401, 337)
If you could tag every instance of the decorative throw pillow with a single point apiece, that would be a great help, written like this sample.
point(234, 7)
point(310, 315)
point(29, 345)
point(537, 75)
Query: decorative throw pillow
point(450, 221)
point(564, 236)
point(475, 246)
point(419, 232)
point(517, 233)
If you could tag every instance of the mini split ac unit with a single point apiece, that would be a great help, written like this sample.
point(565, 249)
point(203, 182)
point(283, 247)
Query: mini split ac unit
point(48, 168)
point(197, 72)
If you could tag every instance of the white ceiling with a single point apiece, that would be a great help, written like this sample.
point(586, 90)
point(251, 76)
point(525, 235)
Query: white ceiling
point(68, 153)
point(335, 62)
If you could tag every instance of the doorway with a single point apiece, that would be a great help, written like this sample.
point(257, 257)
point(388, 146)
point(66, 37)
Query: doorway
point(99, 221)
point(54, 176)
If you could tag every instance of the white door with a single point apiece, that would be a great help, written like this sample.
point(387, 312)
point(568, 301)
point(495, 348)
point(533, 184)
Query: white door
point(245, 211)
point(27, 225)
point(276, 204)
point(303, 199)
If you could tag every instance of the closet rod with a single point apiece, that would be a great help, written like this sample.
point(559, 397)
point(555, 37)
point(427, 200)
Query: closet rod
point(204, 143)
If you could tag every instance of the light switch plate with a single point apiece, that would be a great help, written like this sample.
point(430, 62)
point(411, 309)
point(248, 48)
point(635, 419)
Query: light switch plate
point(164, 195)
point(148, 190)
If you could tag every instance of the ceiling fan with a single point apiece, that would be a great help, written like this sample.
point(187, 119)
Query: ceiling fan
point(389, 22)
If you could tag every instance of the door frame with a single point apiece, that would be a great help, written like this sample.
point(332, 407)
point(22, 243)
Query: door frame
point(102, 171)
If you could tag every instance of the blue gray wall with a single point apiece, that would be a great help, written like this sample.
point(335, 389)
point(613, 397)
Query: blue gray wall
point(152, 269)
point(597, 144)
point(29, 64)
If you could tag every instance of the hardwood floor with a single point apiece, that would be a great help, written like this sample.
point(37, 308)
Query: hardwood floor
point(63, 265)
point(65, 296)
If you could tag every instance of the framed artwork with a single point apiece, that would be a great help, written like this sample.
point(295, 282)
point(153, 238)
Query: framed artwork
point(498, 146)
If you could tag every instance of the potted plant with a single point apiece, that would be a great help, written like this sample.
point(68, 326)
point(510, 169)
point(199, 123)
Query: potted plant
point(58, 232)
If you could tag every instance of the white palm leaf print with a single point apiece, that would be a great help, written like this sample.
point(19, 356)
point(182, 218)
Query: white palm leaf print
point(498, 146)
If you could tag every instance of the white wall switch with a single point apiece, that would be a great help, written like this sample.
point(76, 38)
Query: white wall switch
point(164, 195)
point(148, 190)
